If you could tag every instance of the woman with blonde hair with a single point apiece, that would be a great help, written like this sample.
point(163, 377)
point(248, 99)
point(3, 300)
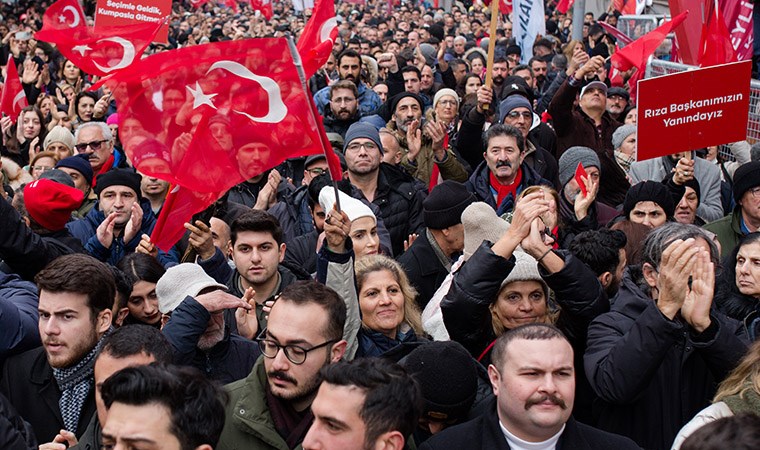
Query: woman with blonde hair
point(738, 393)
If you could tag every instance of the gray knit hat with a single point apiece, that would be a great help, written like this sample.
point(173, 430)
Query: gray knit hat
point(61, 135)
point(181, 281)
point(569, 160)
point(362, 130)
point(481, 224)
point(621, 133)
point(526, 269)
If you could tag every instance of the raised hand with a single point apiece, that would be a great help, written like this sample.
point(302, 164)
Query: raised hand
point(414, 140)
point(201, 239)
point(247, 322)
point(337, 226)
point(146, 246)
point(135, 222)
point(104, 232)
point(584, 202)
point(677, 264)
point(696, 305)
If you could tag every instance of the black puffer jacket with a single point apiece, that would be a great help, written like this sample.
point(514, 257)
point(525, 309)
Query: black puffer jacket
point(653, 374)
point(230, 360)
point(399, 198)
point(480, 185)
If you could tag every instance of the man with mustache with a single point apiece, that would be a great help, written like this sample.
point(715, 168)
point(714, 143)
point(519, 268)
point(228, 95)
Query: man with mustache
point(503, 175)
point(350, 68)
point(96, 140)
point(270, 409)
point(533, 380)
point(344, 107)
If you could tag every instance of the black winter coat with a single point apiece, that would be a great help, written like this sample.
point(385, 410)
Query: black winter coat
point(15, 434)
point(652, 374)
point(29, 385)
point(480, 185)
point(424, 270)
point(484, 433)
point(230, 360)
point(399, 198)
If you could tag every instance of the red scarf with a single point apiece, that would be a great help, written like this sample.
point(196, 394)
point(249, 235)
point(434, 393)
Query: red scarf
point(503, 190)
point(106, 167)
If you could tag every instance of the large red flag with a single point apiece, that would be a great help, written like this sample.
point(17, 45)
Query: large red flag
point(64, 15)
point(715, 43)
point(101, 53)
point(13, 98)
point(564, 5)
point(244, 111)
point(617, 34)
point(637, 52)
point(316, 41)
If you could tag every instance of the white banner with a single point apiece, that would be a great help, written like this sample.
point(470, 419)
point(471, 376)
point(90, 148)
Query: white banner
point(528, 22)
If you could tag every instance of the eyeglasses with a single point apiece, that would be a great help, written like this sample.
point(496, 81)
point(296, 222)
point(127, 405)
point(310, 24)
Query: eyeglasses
point(94, 145)
point(369, 146)
point(317, 171)
point(447, 102)
point(755, 191)
point(516, 114)
point(41, 168)
point(295, 353)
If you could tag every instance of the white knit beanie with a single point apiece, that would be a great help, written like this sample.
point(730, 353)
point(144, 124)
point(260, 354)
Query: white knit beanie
point(526, 269)
point(180, 281)
point(59, 134)
point(353, 208)
point(481, 224)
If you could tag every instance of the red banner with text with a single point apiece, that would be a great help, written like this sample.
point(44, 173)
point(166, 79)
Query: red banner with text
point(110, 13)
point(693, 109)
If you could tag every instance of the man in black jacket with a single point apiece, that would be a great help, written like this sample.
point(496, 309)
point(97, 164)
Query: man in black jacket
point(654, 360)
point(533, 379)
point(193, 306)
point(51, 387)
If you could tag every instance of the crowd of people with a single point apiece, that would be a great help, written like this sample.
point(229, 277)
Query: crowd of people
point(496, 269)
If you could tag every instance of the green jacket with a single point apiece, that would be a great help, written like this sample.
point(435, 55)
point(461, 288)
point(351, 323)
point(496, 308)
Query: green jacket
point(728, 230)
point(248, 425)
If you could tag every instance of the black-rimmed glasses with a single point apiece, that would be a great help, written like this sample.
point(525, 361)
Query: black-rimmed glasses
point(295, 353)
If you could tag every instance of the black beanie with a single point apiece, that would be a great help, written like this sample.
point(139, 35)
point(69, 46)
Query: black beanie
point(694, 184)
point(444, 206)
point(649, 191)
point(119, 177)
point(745, 178)
point(398, 97)
point(448, 379)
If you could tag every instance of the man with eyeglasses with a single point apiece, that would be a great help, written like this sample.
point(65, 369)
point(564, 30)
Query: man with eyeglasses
point(350, 68)
point(396, 193)
point(344, 107)
point(193, 304)
point(745, 218)
point(96, 140)
point(270, 409)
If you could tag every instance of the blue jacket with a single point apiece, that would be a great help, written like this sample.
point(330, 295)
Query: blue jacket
point(18, 315)
point(85, 230)
point(368, 100)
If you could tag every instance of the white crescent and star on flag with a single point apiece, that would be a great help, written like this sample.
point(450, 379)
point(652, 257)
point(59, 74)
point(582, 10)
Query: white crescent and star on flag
point(76, 19)
point(277, 108)
point(127, 58)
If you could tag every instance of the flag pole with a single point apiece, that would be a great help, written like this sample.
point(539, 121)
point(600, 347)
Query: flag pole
point(491, 45)
point(326, 146)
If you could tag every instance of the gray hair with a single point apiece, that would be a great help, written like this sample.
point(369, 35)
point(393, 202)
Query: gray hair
point(460, 39)
point(754, 152)
point(661, 237)
point(107, 135)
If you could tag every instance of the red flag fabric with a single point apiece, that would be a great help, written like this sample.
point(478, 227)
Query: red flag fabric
point(715, 43)
point(13, 98)
point(241, 110)
point(100, 53)
point(505, 6)
point(637, 52)
point(564, 5)
point(617, 34)
point(263, 6)
point(64, 15)
point(316, 41)
point(198, 3)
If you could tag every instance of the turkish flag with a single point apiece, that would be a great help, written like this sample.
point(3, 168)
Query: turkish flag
point(100, 53)
point(13, 98)
point(564, 5)
point(208, 117)
point(316, 41)
point(64, 15)
point(637, 52)
point(505, 6)
point(715, 43)
point(263, 6)
point(617, 34)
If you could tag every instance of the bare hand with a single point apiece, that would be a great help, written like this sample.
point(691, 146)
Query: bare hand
point(414, 140)
point(591, 67)
point(677, 264)
point(268, 194)
point(696, 305)
point(537, 242)
point(146, 246)
point(201, 239)
point(219, 300)
point(584, 202)
point(5, 125)
point(63, 440)
point(247, 322)
point(337, 226)
point(580, 57)
point(408, 242)
point(529, 208)
point(388, 61)
point(436, 131)
point(31, 73)
point(485, 97)
point(135, 223)
point(101, 106)
point(104, 232)
point(684, 171)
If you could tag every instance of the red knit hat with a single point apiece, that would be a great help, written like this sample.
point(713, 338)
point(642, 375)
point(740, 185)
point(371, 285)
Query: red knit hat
point(50, 204)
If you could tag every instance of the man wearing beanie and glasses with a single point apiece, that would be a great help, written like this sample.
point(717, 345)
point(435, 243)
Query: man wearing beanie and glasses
point(429, 259)
point(396, 194)
point(745, 217)
point(121, 217)
point(34, 233)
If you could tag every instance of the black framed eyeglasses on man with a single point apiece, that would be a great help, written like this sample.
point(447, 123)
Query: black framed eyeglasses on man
point(295, 353)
